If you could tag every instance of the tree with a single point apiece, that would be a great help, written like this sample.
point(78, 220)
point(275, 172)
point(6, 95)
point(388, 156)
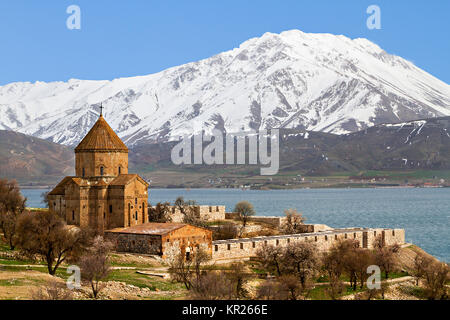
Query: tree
point(225, 231)
point(186, 271)
point(94, 264)
point(46, 235)
point(238, 278)
point(212, 286)
point(436, 274)
point(420, 263)
point(294, 222)
point(271, 258)
point(386, 256)
point(190, 214)
point(245, 210)
point(270, 290)
point(45, 200)
point(302, 260)
point(290, 286)
point(160, 213)
point(362, 259)
point(12, 205)
point(345, 254)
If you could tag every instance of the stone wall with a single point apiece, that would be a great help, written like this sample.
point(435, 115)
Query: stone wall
point(207, 213)
point(245, 248)
point(136, 243)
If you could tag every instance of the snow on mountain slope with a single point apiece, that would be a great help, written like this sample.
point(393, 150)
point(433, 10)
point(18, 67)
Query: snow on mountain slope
point(319, 82)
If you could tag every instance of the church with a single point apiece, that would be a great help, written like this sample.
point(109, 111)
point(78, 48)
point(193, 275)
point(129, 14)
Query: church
point(102, 194)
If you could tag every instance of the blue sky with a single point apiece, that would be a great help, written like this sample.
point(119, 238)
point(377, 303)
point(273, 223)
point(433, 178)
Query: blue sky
point(129, 38)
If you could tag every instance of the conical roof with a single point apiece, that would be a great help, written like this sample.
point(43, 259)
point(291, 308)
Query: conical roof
point(101, 138)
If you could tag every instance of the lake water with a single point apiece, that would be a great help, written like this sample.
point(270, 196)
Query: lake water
point(424, 213)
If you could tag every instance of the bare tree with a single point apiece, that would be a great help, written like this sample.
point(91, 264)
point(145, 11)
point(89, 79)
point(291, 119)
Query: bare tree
point(238, 279)
point(212, 286)
point(420, 264)
point(160, 212)
point(185, 270)
point(436, 274)
point(290, 285)
point(336, 287)
point(346, 250)
point(12, 205)
point(245, 210)
point(302, 260)
point(95, 266)
point(386, 256)
point(46, 235)
point(362, 259)
point(45, 200)
point(53, 290)
point(271, 258)
point(225, 231)
point(270, 290)
point(294, 222)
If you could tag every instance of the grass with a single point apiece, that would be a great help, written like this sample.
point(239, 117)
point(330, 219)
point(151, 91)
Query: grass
point(142, 281)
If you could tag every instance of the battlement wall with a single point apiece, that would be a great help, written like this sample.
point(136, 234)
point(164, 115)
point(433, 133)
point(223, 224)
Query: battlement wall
point(248, 247)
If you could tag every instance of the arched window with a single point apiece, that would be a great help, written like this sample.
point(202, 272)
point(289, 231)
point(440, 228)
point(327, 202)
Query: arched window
point(119, 169)
point(143, 212)
point(83, 172)
point(73, 215)
point(101, 171)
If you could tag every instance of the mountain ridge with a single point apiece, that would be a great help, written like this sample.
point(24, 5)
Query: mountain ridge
point(317, 82)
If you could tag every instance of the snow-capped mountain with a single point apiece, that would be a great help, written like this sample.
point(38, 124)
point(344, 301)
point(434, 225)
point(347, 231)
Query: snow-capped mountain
point(319, 82)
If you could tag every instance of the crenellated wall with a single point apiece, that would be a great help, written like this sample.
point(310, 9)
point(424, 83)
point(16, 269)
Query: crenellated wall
point(208, 213)
point(248, 247)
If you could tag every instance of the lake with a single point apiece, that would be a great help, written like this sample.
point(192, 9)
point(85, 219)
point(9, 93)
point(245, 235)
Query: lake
point(424, 213)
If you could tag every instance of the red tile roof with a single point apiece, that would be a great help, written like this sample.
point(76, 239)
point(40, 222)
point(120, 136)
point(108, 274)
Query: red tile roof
point(101, 138)
point(152, 228)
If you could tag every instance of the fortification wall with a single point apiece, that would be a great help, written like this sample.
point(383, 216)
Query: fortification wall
point(207, 213)
point(245, 248)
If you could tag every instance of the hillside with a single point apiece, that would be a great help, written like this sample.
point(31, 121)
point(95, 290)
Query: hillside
point(31, 160)
point(406, 148)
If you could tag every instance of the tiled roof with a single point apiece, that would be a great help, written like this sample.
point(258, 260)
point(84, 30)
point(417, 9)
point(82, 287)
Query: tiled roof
point(101, 138)
point(60, 187)
point(123, 179)
point(150, 228)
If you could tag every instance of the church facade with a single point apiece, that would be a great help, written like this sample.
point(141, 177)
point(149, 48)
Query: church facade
point(102, 194)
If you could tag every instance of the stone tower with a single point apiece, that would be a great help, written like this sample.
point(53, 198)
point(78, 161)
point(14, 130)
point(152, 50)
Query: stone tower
point(102, 194)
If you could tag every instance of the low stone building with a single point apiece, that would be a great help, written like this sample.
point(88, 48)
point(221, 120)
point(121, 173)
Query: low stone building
point(161, 238)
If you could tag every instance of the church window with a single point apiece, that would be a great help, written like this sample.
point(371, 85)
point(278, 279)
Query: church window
point(110, 208)
point(73, 215)
point(135, 201)
point(119, 169)
point(101, 171)
point(104, 215)
point(136, 215)
point(83, 172)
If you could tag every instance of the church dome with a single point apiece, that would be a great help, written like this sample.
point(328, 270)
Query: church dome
point(101, 138)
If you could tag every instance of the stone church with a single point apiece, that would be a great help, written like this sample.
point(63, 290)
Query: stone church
point(102, 194)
